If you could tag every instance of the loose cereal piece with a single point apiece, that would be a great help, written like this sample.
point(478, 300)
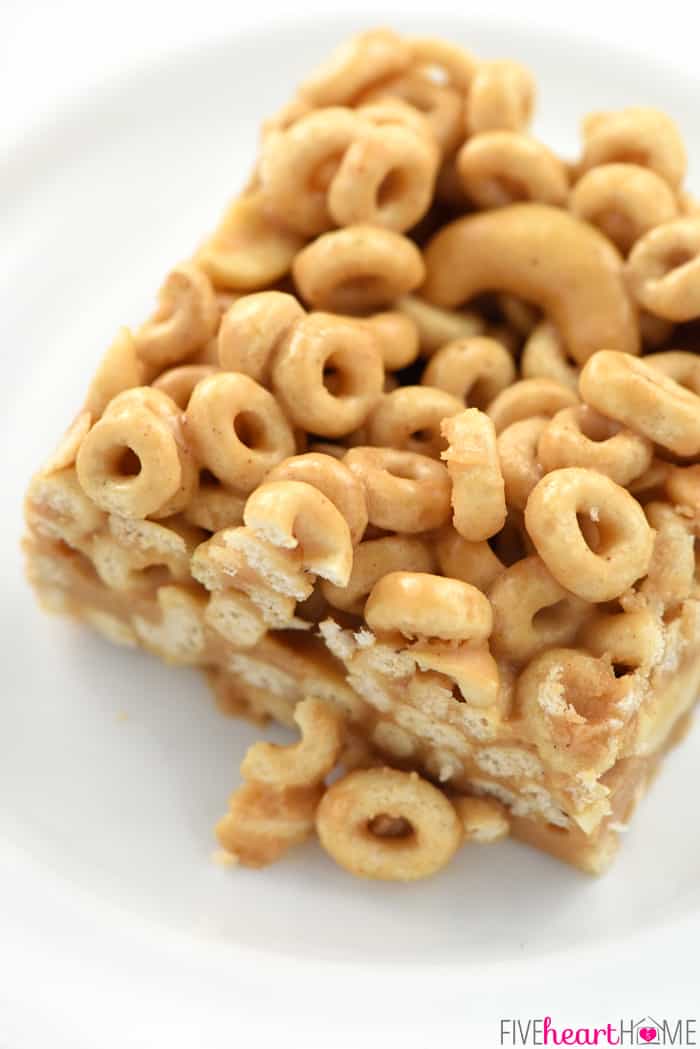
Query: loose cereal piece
point(473, 466)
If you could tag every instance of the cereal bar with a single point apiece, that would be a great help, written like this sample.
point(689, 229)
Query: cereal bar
point(408, 458)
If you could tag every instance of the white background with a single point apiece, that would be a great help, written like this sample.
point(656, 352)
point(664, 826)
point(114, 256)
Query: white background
point(54, 52)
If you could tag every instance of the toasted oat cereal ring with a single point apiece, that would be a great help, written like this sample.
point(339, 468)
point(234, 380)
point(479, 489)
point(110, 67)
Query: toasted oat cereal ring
point(335, 480)
point(396, 336)
point(473, 563)
point(630, 640)
point(663, 270)
point(120, 369)
point(421, 828)
point(544, 357)
point(475, 369)
point(376, 558)
point(579, 436)
point(248, 251)
point(529, 397)
point(251, 330)
point(135, 461)
point(636, 135)
point(501, 96)
point(531, 611)
point(439, 104)
point(306, 763)
point(681, 366)
point(356, 65)
point(623, 540)
point(624, 201)
point(501, 167)
point(394, 112)
point(263, 823)
point(478, 492)
point(294, 514)
point(385, 178)
point(436, 326)
point(546, 256)
point(186, 318)
point(299, 166)
point(517, 453)
point(179, 383)
point(357, 269)
point(566, 700)
point(644, 399)
point(406, 492)
point(417, 604)
point(672, 571)
point(237, 429)
point(328, 374)
point(448, 62)
point(409, 418)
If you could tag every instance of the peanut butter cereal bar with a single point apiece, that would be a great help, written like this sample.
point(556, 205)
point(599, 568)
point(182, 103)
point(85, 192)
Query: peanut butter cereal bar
point(408, 457)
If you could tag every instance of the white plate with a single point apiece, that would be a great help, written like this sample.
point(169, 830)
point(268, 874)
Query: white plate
point(113, 768)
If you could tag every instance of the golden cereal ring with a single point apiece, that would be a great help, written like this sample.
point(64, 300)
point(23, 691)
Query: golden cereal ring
point(394, 112)
point(419, 605)
point(452, 64)
point(517, 453)
point(237, 429)
point(544, 255)
point(579, 436)
point(636, 135)
point(663, 270)
point(671, 574)
point(630, 640)
point(679, 365)
point(263, 823)
point(406, 492)
point(484, 820)
point(179, 383)
point(644, 399)
point(532, 612)
point(396, 336)
point(252, 328)
point(386, 179)
point(624, 201)
point(186, 318)
point(294, 514)
point(501, 167)
point(436, 327)
point(135, 461)
point(214, 506)
point(409, 418)
point(501, 96)
point(328, 374)
point(348, 819)
point(475, 370)
point(544, 357)
point(439, 104)
point(567, 700)
point(335, 480)
point(373, 559)
point(248, 251)
point(473, 563)
point(473, 466)
point(529, 397)
point(298, 167)
point(120, 369)
point(355, 65)
point(306, 763)
point(357, 269)
point(625, 540)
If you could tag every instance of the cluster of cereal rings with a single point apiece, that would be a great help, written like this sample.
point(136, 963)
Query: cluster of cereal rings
point(420, 342)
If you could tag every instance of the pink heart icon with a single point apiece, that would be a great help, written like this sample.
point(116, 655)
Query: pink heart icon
point(647, 1033)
